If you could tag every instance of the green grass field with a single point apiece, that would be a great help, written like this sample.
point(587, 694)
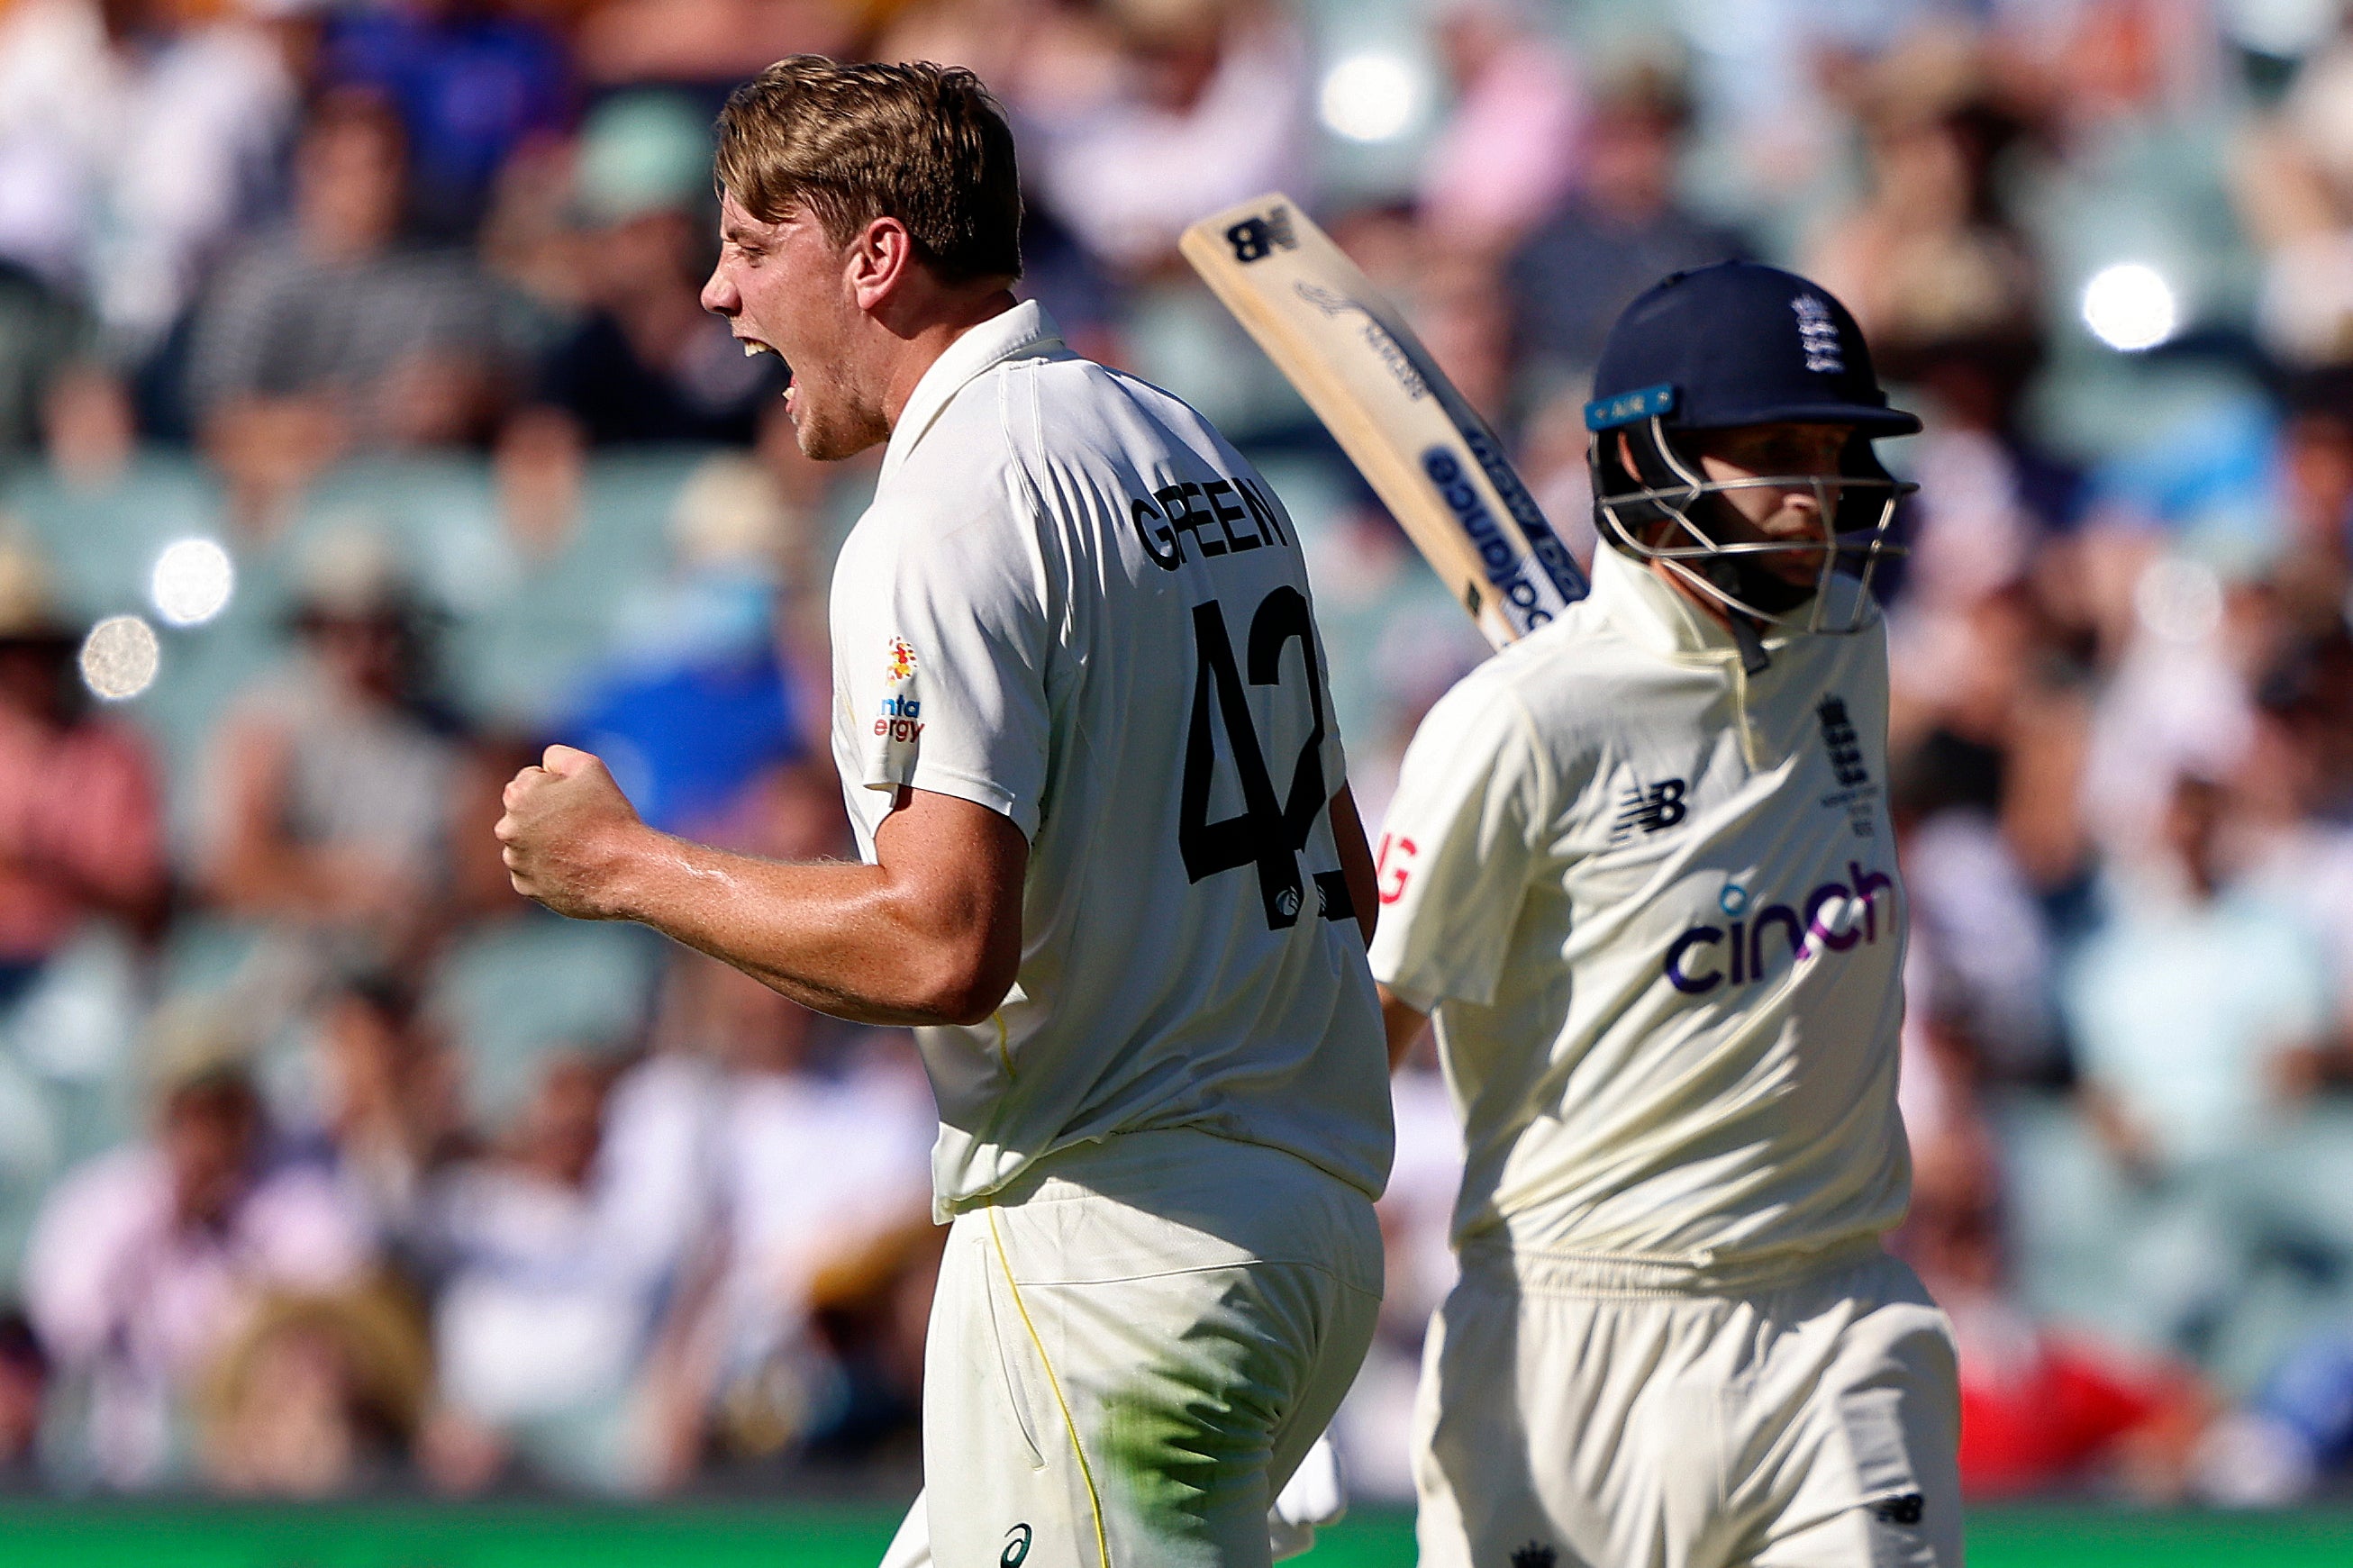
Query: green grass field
point(63, 1535)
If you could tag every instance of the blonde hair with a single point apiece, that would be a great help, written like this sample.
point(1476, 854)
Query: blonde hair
point(849, 144)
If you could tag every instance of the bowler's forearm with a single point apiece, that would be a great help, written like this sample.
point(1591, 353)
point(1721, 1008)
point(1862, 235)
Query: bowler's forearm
point(840, 937)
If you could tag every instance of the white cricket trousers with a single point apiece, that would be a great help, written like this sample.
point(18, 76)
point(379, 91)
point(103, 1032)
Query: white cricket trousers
point(1583, 1415)
point(1130, 1351)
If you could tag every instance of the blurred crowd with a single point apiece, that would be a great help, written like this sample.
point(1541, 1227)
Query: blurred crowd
point(360, 432)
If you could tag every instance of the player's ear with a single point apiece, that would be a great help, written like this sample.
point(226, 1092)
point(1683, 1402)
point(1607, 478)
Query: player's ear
point(879, 261)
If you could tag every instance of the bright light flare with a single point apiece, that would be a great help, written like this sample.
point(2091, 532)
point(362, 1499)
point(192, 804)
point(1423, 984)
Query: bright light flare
point(1371, 98)
point(192, 582)
point(2130, 307)
point(120, 657)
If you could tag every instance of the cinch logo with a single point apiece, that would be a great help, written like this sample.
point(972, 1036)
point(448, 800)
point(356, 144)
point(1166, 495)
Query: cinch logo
point(897, 718)
point(1706, 957)
point(1496, 553)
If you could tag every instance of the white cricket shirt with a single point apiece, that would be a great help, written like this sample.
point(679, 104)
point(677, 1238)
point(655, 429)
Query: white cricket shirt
point(1073, 603)
point(1653, 903)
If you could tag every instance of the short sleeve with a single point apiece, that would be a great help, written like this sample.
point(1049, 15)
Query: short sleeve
point(1457, 847)
point(943, 654)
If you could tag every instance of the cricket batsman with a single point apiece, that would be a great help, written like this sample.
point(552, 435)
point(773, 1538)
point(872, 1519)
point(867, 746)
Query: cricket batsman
point(1640, 869)
point(1110, 869)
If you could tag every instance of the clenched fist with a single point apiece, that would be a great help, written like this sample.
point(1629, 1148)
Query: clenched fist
point(566, 829)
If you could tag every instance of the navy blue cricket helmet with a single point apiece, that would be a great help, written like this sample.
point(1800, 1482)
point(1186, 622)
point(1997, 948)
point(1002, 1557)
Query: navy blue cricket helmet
point(1715, 348)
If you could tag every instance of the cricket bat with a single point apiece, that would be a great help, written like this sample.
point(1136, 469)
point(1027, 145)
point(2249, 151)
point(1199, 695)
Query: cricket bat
point(1429, 456)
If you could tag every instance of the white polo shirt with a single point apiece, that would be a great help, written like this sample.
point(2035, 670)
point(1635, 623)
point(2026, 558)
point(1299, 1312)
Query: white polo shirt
point(1653, 903)
point(1073, 603)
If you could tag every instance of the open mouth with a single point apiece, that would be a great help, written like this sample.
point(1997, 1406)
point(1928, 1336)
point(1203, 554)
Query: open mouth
point(754, 346)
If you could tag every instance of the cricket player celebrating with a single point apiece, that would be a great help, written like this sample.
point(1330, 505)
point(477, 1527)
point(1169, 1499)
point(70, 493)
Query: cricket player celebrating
point(1639, 867)
point(1111, 870)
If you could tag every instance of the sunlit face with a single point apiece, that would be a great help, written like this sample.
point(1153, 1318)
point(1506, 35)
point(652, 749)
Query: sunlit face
point(1776, 512)
point(784, 287)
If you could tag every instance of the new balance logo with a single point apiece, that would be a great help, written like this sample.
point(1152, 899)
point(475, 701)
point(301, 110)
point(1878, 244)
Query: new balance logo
point(1535, 1554)
point(1839, 737)
point(1658, 806)
point(1256, 239)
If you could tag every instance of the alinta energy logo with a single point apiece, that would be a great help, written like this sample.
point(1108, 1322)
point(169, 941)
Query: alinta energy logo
point(1832, 917)
point(900, 717)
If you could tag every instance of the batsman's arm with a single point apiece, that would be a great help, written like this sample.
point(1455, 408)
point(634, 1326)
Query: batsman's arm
point(1404, 1022)
point(930, 934)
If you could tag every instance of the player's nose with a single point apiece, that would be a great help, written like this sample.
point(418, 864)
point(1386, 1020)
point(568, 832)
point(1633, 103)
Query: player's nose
point(1817, 494)
point(719, 295)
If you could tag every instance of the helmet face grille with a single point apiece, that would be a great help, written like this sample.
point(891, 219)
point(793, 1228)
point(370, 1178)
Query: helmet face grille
point(1655, 515)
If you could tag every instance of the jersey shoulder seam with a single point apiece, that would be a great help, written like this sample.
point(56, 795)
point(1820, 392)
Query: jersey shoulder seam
point(1540, 758)
point(1019, 380)
point(1502, 691)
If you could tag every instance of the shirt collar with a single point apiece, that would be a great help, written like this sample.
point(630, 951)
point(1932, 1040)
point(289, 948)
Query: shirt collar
point(1652, 612)
point(1023, 332)
point(1660, 617)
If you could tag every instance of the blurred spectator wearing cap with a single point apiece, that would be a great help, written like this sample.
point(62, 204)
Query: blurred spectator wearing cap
point(1620, 230)
point(80, 814)
point(389, 1112)
point(649, 364)
point(471, 81)
point(701, 703)
point(333, 331)
point(1931, 257)
point(147, 1262)
point(332, 785)
point(319, 1393)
